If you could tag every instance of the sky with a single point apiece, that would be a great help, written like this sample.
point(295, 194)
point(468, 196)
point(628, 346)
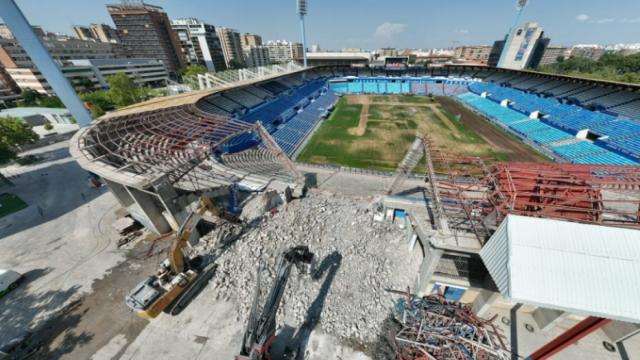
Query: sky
point(372, 24)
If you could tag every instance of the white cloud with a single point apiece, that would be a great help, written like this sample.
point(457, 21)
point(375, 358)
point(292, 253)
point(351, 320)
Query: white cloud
point(604, 21)
point(462, 31)
point(583, 17)
point(388, 30)
point(636, 20)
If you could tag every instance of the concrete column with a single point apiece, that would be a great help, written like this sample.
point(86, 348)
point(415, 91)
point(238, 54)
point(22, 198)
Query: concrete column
point(486, 297)
point(427, 268)
point(619, 331)
point(174, 208)
point(147, 211)
point(483, 301)
point(547, 319)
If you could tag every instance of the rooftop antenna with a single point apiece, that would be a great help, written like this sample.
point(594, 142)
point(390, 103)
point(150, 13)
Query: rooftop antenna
point(521, 4)
point(302, 11)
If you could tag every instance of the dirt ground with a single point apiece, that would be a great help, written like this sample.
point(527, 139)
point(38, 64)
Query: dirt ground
point(365, 101)
point(502, 142)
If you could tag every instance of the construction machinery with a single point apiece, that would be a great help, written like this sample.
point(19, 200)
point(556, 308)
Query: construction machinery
point(179, 278)
point(261, 329)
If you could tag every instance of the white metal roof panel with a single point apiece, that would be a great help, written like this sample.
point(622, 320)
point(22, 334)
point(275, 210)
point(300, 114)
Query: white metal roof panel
point(586, 269)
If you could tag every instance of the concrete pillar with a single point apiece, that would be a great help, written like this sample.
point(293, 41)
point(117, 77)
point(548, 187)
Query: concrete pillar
point(483, 301)
point(147, 211)
point(486, 297)
point(175, 210)
point(427, 268)
point(547, 319)
point(619, 331)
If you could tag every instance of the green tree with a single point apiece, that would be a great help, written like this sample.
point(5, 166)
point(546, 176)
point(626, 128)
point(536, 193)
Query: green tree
point(96, 111)
point(100, 97)
point(235, 64)
point(560, 59)
point(51, 102)
point(86, 82)
point(195, 70)
point(48, 127)
point(30, 96)
point(13, 132)
point(124, 91)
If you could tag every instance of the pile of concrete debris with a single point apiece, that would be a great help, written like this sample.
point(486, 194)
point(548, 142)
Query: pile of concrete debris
point(357, 258)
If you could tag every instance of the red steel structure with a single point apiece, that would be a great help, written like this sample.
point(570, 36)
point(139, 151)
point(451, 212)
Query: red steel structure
point(484, 192)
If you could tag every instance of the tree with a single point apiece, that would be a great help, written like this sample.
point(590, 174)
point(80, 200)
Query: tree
point(51, 102)
point(48, 127)
point(560, 59)
point(195, 70)
point(101, 98)
point(14, 132)
point(30, 96)
point(96, 111)
point(124, 91)
point(235, 64)
point(86, 82)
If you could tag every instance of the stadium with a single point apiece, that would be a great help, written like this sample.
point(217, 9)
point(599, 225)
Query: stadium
point(496, 144)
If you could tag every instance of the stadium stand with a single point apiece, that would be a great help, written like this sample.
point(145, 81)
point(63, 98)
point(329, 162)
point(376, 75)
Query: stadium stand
point(617, 129)
point(560, 109)
point(527, 127)
point(579, 120)
point(594, 93)
point(258, 92)
point(355, 87)
point(224, 103)
point(510, 117)
point(482, 74)
point(608, 158)
point(615, 99)
point(549, 136)
point(382, 87)
point(579, 149)
point(535, 105)
point(393, 88)
point(504, 94)
point(406, 88)
point(370, 87)
point(325, 73)
point(627, 143)
point(531, 83)
point(631, 109)
point(567, 89)
point(243, 97)
point(274, 87)
point(547, 86)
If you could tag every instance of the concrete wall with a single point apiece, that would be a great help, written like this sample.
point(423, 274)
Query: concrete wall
point(46, 141)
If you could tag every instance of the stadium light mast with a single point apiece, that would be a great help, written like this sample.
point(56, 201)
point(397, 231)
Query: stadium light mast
point(302, 11)
point(520, 5)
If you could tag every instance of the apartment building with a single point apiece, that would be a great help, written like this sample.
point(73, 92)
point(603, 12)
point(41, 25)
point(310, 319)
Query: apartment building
point(255, 56)
point(250, 40)
point(473, 53)
point(283, 51)
point(5, 33)
point(199, 43)
point(145, 32)
point(551, 54)
point(231, 45)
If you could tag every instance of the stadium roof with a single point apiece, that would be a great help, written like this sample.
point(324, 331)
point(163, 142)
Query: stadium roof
point(578, 268)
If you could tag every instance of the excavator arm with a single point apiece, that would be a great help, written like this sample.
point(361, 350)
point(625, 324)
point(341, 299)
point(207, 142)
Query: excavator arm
point(176, 255)
point(261, 330)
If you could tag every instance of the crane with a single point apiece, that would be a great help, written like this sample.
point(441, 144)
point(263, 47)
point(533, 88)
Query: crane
point(261, 329)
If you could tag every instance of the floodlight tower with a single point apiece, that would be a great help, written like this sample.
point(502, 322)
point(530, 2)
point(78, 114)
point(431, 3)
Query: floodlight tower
point(302, 11)
point(521, 4)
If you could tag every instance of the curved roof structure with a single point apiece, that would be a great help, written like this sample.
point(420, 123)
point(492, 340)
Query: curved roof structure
point(135, 148)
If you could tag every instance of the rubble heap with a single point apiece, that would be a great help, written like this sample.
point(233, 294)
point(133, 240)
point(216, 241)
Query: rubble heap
point(436, 328)
point(357, 258)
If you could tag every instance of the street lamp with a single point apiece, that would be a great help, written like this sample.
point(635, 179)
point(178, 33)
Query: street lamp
point(520, 5)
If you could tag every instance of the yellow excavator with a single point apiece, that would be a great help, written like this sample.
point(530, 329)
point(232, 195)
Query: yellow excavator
point(179, 278)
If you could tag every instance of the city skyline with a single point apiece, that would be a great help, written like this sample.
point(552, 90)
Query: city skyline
point(592, 22)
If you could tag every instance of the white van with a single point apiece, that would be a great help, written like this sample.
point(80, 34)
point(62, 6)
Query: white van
point(9, 280)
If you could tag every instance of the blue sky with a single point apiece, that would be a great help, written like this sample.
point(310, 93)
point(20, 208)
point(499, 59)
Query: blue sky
point(372, 24)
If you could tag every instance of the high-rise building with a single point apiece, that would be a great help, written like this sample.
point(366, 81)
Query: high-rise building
point(283, 51)
point(519, 52)
point(388, 51)
point(473, 53)
point(231, 45)
point(316, 48)
point(551, 54)
point(145, 32)
point(250, 40)
point(255, 56)
point(200, 43)
point(5, 33)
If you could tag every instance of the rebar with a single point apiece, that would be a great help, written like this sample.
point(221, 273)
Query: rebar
point(436, 328)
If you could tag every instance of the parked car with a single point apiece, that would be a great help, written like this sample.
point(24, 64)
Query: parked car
point(9, 280)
